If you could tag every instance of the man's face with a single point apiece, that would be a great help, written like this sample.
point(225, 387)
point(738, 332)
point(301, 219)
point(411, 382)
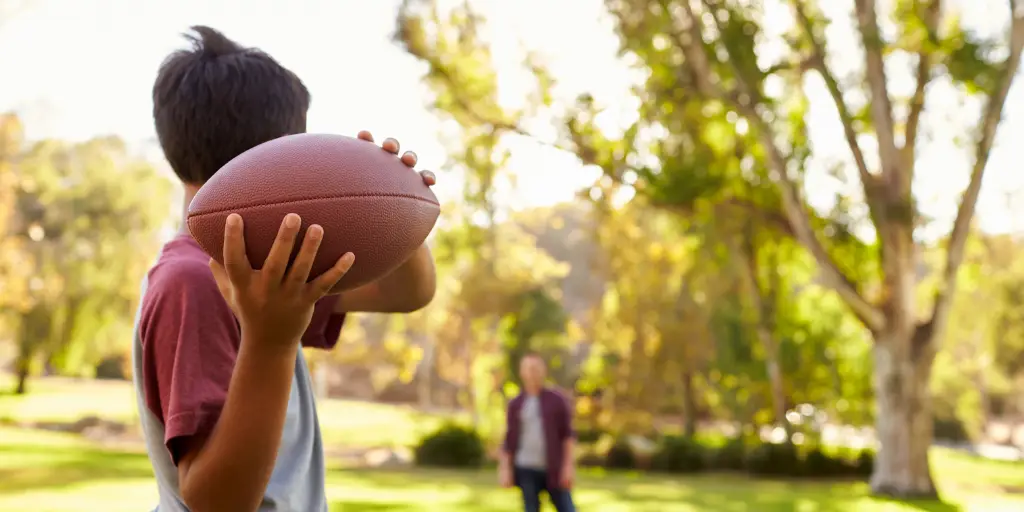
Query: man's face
point(532, 370)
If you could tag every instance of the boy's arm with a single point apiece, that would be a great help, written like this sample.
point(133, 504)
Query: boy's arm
point(230, 469)
point(410, 287)
point(222, 402)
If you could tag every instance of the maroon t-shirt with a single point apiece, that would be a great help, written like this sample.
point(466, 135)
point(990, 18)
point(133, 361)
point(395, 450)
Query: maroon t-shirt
point(189, 341)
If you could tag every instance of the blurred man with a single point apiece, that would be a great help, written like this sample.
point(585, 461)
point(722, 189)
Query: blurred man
point(538, 451)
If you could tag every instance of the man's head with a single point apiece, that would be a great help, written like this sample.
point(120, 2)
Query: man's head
point(533, 371)
point(218, 99)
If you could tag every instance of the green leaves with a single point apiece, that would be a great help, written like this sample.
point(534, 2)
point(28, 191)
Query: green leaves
point(968, 61)
point(85, 227)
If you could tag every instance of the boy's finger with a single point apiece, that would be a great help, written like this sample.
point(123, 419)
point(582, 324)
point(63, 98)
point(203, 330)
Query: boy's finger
point(365, 135)
point(409, 159)
point(428, 178)
point(299, 272)
point(281, 251)
point(236, 263)
point(322, 285)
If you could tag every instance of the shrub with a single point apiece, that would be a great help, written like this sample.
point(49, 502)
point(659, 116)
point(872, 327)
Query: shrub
point(771, 459)
point(451, 446)
point(678, 454)
point(113, 367)
point(588, 435)
point(950, 429)
point(731, 456)
point(864, 465)
point(590, 459)
point(620, 455)
point(818, 464)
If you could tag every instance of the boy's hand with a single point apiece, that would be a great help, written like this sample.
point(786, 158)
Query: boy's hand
point(408, 158)
point(275, 304)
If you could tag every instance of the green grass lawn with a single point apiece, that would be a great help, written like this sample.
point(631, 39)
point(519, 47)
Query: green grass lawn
point(344, 423)
point(47, 471)
point(50, 472)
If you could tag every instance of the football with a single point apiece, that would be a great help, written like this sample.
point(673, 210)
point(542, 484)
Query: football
point(367, 201)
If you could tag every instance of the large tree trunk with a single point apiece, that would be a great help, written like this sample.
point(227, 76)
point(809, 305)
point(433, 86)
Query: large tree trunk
point(903, 421)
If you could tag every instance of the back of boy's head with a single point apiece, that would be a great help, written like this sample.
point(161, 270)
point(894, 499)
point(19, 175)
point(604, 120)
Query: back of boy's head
point(218, 99)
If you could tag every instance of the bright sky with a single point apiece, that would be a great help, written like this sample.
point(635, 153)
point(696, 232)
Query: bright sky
point(76, 69)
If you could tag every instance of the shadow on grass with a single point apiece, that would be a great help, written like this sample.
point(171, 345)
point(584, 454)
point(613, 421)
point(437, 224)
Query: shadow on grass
point(369, 506)
point(42, 467)
point(407, 490)
point(925, 505)
point(768, 501)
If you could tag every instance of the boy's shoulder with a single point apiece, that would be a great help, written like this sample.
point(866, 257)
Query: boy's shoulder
point(181, 263)
point(181, 274)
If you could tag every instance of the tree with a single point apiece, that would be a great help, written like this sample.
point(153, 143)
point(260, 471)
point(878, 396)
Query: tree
point(717, 42)
point(723, 121)
point(86, 224)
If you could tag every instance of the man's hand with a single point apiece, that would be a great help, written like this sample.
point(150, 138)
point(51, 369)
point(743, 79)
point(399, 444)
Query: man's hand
point(567, 476)
point(505, 476)
point(274, 304)
point(408, 158)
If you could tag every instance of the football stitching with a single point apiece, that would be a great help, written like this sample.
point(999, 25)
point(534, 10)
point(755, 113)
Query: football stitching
point(309, 200)
point(191, 216)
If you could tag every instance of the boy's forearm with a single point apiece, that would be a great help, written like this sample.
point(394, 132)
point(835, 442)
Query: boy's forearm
point(568, 449)
point(414, 281)
point(232, 468)
point(408, 288)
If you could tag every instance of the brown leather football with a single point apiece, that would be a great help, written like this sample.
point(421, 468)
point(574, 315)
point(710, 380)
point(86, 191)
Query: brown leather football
point(367, 201)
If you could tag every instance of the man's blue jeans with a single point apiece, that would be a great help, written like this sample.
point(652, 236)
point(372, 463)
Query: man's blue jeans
point(532, 482)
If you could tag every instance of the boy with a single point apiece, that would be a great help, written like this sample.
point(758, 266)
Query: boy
point(222, 387)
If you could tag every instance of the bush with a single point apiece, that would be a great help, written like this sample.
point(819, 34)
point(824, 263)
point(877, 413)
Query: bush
point(731, 456)
point(865, 464)
point(620, 455)
point(590, 459)
point(589, 435)
point(678, 454)
point(451, 446)
point(113, 367)
point(818, 464)
point(769, 459)
point(950, 429)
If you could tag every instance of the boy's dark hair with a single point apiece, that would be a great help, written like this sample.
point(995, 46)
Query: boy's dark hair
point(218, 99)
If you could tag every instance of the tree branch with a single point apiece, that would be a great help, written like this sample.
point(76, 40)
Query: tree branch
point(932, 10)
point(690, 39)
point(881, 105)
point(987, 128)
point(868, 181)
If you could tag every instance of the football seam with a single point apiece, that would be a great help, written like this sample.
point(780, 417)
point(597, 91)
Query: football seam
point(310, 200)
